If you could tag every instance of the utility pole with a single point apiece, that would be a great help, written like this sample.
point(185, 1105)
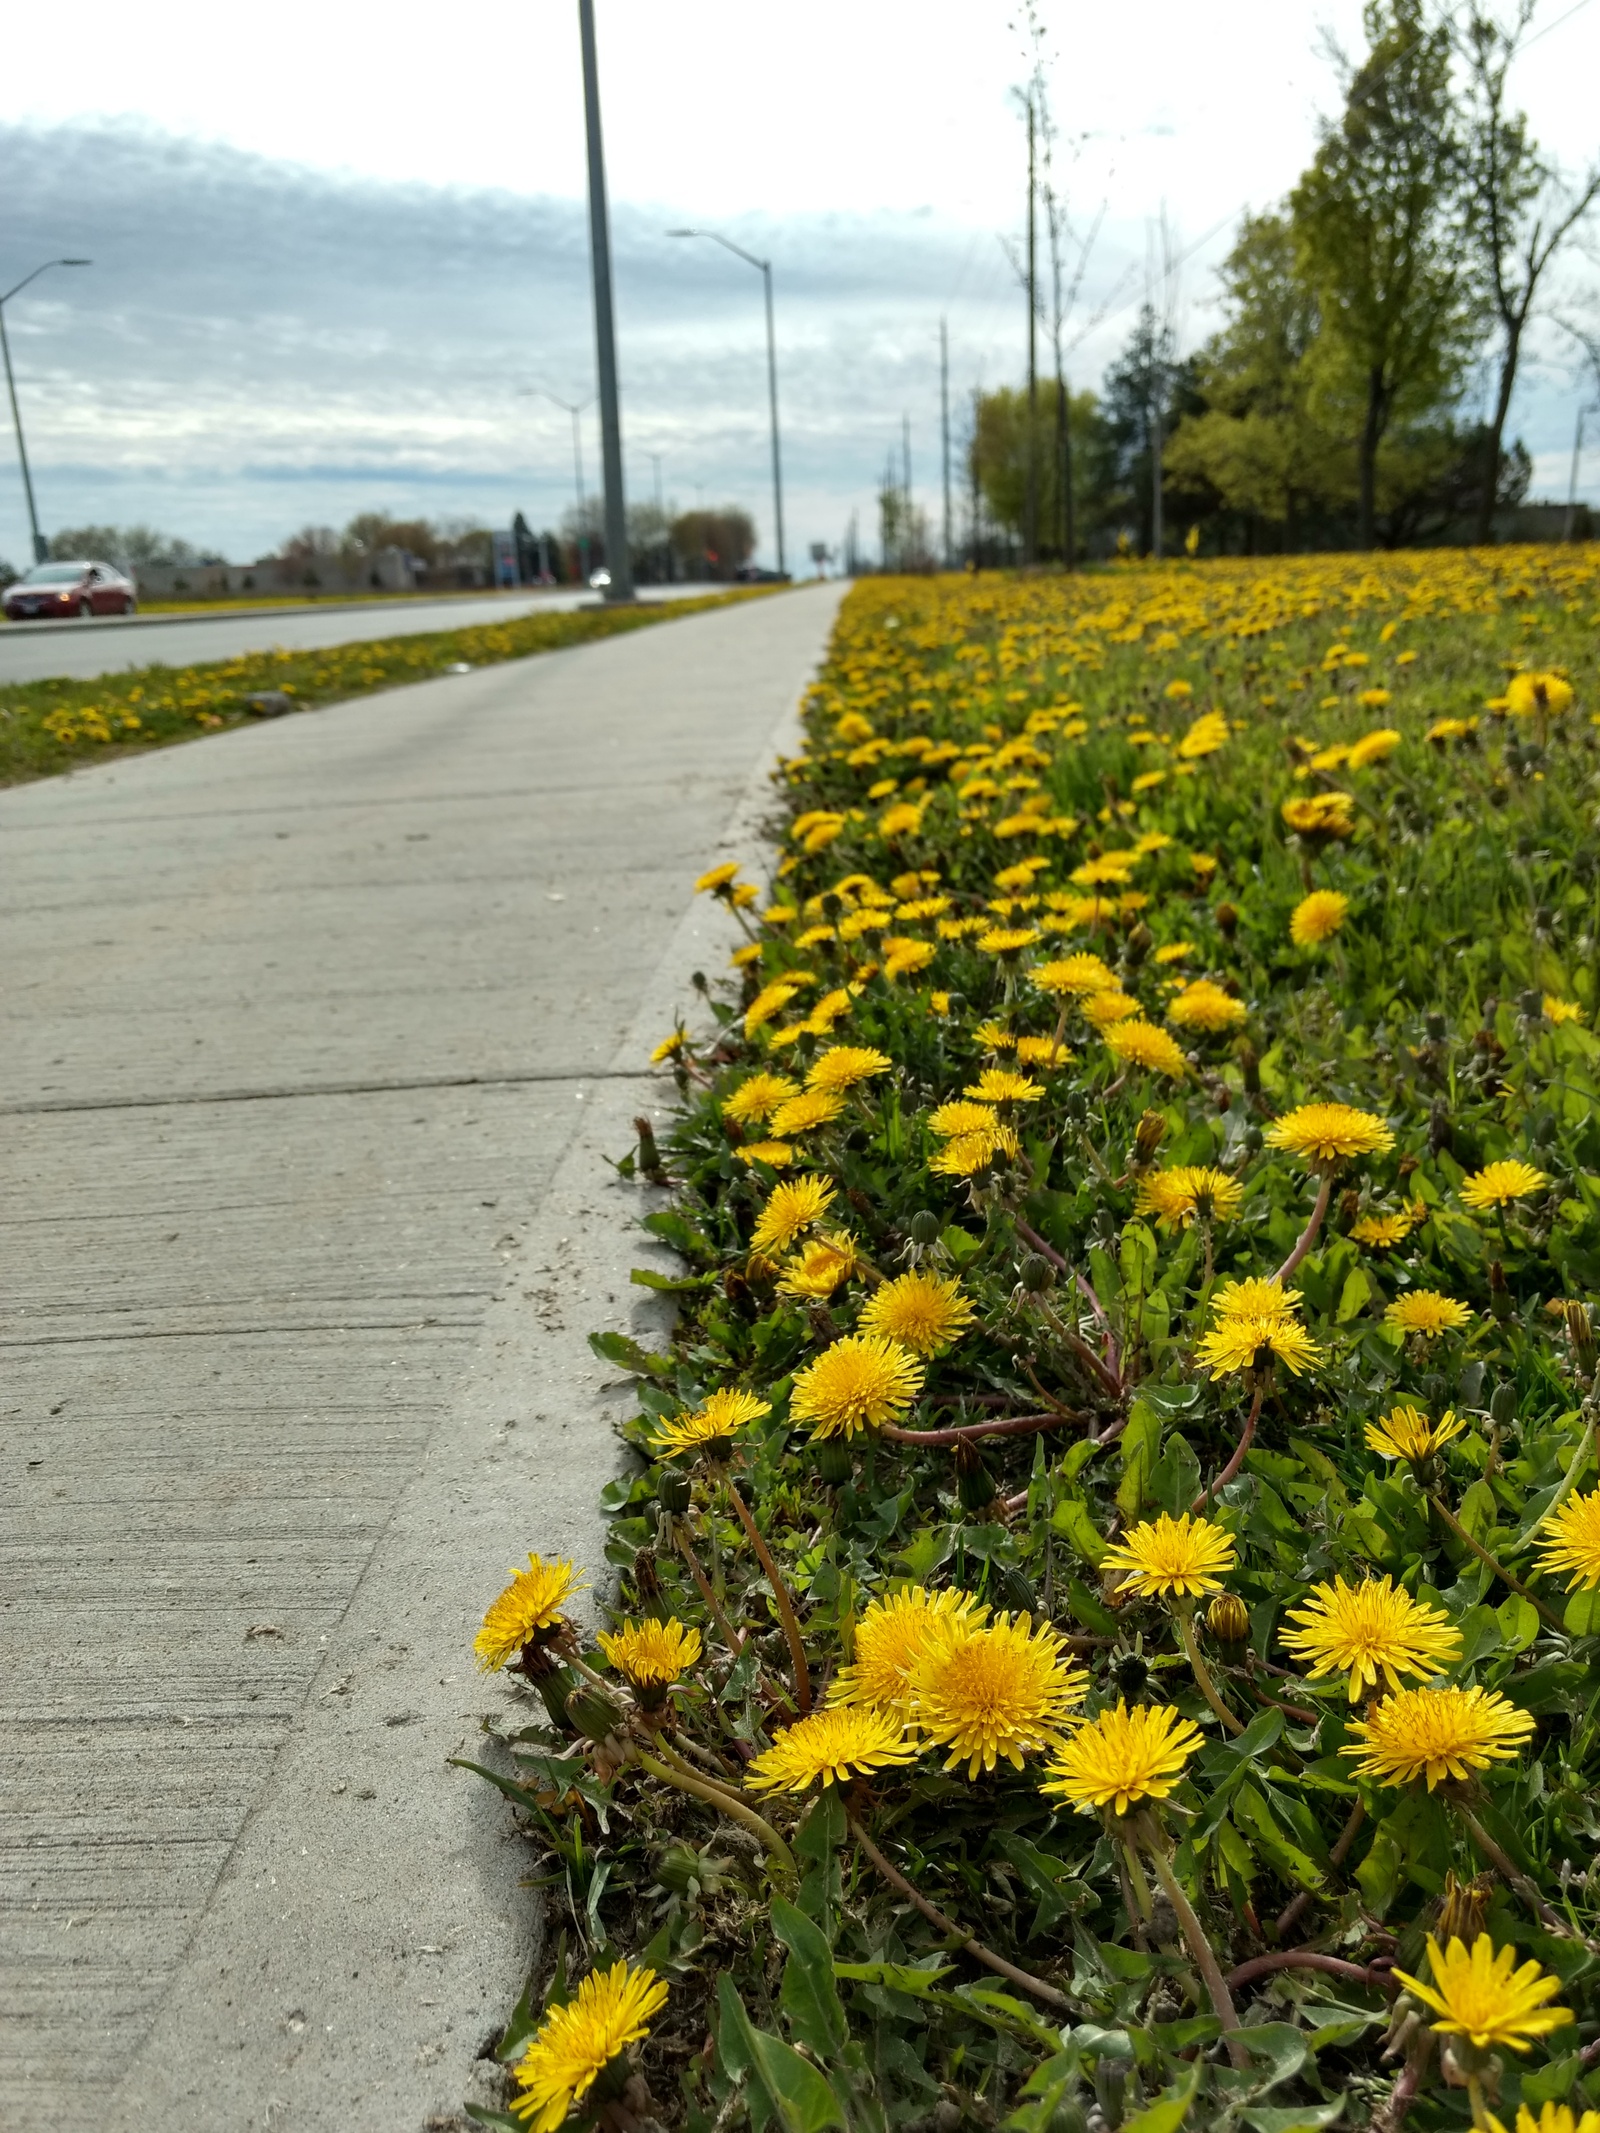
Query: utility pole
point(1572, 485)
point(944, 434)
point(41, 547)
point(977, 495)
point(618, 561)
point(905, 490)
point(1030, 529)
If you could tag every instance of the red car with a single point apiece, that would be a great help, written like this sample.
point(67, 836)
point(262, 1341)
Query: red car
point(51, 590)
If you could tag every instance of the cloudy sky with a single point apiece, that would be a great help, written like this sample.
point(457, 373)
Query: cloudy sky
point(334, 246)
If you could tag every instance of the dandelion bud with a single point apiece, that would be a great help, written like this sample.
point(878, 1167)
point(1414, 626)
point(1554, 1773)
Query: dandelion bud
point(1140, 942)
point(974, 1482)
point(1132, 1673)
point(1349, 1208)
point(1227, 920)
point(594, 1715)
point(1531, 1005)
point(1036, 1274)
point(1436, 1026)
point(1149, 1134)
point(697, 979)
point(923, 1229)
point(834, 1464)
point(647, 1584)
point(1249, 1066)
point(1503, 1406)
point(673, 1490)
point(1011, 1589)
point(1228, 1619)
point(1580, 1331)
point(1463, 1909)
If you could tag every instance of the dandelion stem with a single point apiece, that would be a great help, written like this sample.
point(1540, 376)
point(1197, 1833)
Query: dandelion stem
point(1494, 1563)
point(1246, 1439)
point(1139, 1882)
point(1202, 1673)
point(1568, 1479)
point(670, 1755)
point(935, 1917)
point(702, 1789)
point(1480, 2115)
point(780, 1594)
point(730, 1635)
point(1310, 1959)
point(960, 1432)
point(1308, 1236)
point(1194, 1933)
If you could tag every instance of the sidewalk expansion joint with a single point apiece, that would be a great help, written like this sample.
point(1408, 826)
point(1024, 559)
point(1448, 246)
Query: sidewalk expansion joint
point(288, 1092)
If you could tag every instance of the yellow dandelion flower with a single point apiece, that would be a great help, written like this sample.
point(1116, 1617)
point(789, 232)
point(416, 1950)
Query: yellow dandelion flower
point(792, 1209)
point(1426, 1312)
point(920, 1310)
point(671, 1047)
point(859, 1383)
point(769, 1001)
point(1376, 747)
point(1174, 951)
point(1571, 1543)
point(777, 1155)
point(1382, 1232)
point(1176, 1196)
point(965, 1154)
point(758, 1097)
point(1206, 1006)
point(1317, 918)
point(1482, 1996)
point(531, 1603)
point(999, 1085)
point(831, 1746)
point(1208, 733)
point(902, 958)
point(1499, 1182)
point(994, 1036)
point(1103, 1010)
point(1007, 940)
point(1325, 1134)
point(842, 1066)
point(1556, 1010)
point(958, 1117)
point(1435, 1734)
point(821, 1265)
point(1556, 2118)
point(805, 1112)
point(1123, 1757)
point(1370, 1630)
point(1255, 1298)
point(1142, 1044)
point(1111, 869)
point(651, 1655)
point(574, 2044)
point(1321, 814)
point(1238, 1342)
point(891, 1638)
point(1042, 1052)
point(1167, 1556)
point(1529, 694)
point(1005, 1689)
point(713, 1424)
point(1448, 729)
point(718, 878)
point(1406, 1433)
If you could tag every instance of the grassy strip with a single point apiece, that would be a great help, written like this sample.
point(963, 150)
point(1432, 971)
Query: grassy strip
point(1033, 818)
point(51, 726)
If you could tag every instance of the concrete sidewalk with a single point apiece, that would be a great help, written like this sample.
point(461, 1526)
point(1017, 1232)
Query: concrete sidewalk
point(316, 1033)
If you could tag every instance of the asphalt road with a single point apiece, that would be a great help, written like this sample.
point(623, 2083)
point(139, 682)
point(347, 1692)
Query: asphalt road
point(32, 651)
point(312, 1038)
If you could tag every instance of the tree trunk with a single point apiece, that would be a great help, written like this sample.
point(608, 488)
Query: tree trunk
point(1497, 428)
point(1371, 436)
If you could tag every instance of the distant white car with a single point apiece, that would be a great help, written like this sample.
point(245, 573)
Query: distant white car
point(599, 579)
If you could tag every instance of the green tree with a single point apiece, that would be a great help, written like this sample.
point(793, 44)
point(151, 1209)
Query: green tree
point(1522, 213)
point(997, 456)
point(1379, 226)
point(1257, 444)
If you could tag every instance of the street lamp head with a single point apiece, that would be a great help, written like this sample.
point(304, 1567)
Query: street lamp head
point(683, 233)
point(74, 262)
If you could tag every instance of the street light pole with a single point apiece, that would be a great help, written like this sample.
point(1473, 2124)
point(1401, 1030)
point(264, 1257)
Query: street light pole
point(574, 409)
point(41, 547)
point(772, 373)
point(618, 561)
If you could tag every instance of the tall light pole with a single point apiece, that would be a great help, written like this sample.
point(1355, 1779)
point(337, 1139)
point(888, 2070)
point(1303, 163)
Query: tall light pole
point(574, 409)
point(619, 563)
point(765, 265)
point(41, 547)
